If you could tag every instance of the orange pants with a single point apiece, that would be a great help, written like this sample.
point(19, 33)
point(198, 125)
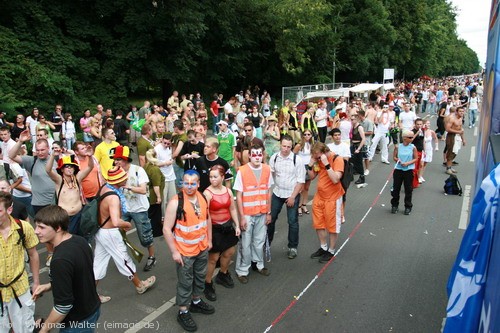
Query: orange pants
point(327, 214)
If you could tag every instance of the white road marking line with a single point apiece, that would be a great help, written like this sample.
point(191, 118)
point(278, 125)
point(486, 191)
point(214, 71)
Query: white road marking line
point(472, 153)
point(476, 129)
point(147, 321)
point(464, 215)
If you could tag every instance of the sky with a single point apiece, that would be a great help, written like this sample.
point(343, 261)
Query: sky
point(472, 24)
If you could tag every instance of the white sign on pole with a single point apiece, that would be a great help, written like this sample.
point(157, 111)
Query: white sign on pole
point(388, 74)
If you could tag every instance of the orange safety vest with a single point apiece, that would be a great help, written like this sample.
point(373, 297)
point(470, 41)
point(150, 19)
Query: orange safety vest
point(255, 193)
point(190, 235)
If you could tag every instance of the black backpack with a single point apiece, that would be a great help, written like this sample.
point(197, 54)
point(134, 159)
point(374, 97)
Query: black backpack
point(347, 175)
point(452, 186)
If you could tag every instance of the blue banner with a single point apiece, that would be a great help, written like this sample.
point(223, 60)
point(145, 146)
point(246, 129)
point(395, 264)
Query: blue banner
point(467, 282)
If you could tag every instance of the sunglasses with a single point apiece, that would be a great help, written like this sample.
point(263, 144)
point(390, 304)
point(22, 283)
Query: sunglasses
point(68, 166)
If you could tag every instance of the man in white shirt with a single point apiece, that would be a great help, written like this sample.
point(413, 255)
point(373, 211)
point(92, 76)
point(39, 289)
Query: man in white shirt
point(228, 107)
point(406, 119)
point(337, 146)
point(384, 121)
point(289, 178)
point(473, 108)
point(7, 143)
point(425, 99)
point(164, 155)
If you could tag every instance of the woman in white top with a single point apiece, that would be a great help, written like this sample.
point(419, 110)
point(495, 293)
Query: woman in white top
point(303, 149)
point(69, 131)
point(429, 137)
point(321, 117)
point(345, 127)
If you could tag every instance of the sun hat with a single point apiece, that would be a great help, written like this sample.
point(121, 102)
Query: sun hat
point(116, 175)
point(67, 160)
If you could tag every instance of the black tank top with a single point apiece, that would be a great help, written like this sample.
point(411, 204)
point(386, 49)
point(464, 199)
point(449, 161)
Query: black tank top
point(255, 120)
point(356, 137)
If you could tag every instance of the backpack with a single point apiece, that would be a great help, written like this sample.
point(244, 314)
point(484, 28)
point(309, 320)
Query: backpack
point(89, 222)
point(294, 159)
point(347, 175)
point(452, 186)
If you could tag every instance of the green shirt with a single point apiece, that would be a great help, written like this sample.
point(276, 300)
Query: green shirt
point(156, 178)
point(175, 140)
point(226, 143)
point(143, 146)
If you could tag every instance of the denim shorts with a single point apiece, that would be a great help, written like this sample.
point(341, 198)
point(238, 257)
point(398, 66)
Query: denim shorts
point(143, 226)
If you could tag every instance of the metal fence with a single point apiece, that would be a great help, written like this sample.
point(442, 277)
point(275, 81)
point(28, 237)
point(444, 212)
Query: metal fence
point(297, 93)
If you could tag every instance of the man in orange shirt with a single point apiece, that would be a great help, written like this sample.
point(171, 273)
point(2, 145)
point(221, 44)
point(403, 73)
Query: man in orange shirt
point(327, 202)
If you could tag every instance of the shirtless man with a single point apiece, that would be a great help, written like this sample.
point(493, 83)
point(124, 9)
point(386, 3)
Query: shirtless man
point(154, 119)
point(371, 113)
point(67, 182)
point(453, 126)
point(109, 243)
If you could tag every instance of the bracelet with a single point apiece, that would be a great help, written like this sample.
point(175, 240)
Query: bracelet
point(328, 167)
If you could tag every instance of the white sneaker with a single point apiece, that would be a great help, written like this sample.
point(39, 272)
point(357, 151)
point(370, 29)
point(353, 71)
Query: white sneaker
point(386, 162)
point(367, 172)
point(423, 180)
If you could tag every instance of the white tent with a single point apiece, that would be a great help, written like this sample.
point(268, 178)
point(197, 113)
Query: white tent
point(328, 93)
point(365, 87)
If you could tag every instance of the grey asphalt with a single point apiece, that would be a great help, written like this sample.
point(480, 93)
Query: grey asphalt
point(390, 276)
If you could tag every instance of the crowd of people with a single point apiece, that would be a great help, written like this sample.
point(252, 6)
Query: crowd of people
point(210, 194)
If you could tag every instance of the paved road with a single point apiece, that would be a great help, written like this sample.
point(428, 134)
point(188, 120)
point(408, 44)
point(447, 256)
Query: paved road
point(389, 275)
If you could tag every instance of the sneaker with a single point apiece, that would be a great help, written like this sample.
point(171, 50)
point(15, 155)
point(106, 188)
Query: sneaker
point(201, 307)
point(292, 253)
point(149, 264)
point(449, 171)
point(145, 285)
point(360, 181)
point(453, 170)
point(224, 280)
point(367, 172)
point(187, 322)
point(423, 180)
point(104, 299)
point(394, 210)
point(318, 253)
point(264, 271)
point(326, 257)
point(454, 163)
point(386, 162)
point(49, 260)
point(420, 180)
point(242, 278)
point(210, 291)
point(407, 211)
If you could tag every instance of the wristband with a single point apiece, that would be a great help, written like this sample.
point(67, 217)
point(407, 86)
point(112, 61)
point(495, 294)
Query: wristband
point(328, 167)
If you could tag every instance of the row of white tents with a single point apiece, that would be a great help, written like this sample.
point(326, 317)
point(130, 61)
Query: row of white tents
point(363, 88)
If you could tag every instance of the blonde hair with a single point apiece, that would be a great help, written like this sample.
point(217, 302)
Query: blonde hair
point(151, 157)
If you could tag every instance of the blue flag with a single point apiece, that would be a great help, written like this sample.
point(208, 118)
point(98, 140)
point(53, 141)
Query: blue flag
point(466, 285)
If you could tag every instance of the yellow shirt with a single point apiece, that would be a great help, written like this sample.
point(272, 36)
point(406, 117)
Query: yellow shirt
point(101, 154)
point(12, 259)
